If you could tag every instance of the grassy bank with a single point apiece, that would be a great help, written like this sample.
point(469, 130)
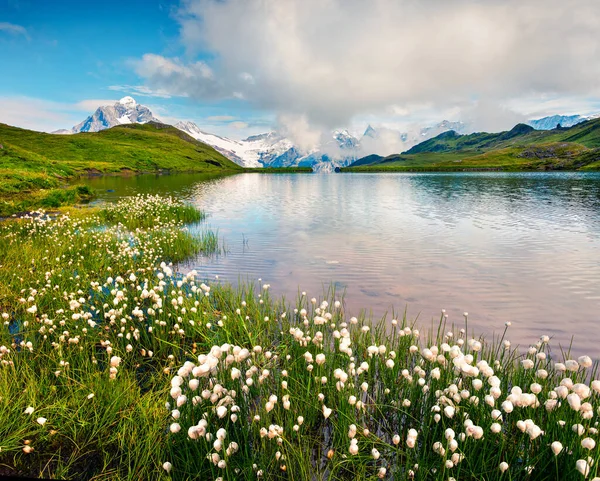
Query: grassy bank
point(35, 166)
point(114, 366)
point(513, 159)
point(519, 149)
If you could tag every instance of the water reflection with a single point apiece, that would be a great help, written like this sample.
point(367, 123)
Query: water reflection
point(518, 247)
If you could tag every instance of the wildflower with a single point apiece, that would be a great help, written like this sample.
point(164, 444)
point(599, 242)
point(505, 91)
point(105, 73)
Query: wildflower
point(585, 361)
point(571, 365)
point(326, 411)
point(375, 453)
point(41, 421)
point(449, 411)
point(583, 467)
point(29, 410)
point(503, 466)
point(574, 401)
point(588, 443)
point(556, 447)
point(527, 363)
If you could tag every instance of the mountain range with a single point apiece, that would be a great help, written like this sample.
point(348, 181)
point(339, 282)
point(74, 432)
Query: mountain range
point(522, 148)
point(271, 149)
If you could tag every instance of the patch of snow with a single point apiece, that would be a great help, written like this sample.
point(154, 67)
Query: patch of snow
point(128, 102)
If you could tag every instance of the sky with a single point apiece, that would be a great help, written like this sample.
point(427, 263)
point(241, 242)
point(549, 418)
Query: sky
point(302, 67)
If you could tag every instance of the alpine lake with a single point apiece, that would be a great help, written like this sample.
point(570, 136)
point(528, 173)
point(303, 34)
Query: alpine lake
point(505, 247)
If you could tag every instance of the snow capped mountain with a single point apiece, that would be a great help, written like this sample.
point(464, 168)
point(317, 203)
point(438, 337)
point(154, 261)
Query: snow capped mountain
point(272, 149)
point(255, 151)
point(343, 148)
point(125, 111)
point(549, 123)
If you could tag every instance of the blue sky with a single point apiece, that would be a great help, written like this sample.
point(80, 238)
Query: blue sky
point(65, 58)
point(304, 67)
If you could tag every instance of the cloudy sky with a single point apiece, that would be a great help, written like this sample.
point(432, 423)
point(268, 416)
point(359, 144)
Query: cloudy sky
point(240, 67)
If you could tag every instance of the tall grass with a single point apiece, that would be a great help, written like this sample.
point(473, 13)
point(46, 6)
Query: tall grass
point(115, 366)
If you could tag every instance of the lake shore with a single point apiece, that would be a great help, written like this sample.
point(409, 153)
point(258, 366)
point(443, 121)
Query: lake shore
point(138, 371)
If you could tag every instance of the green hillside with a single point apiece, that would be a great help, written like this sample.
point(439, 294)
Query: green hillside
point(521, 148)
point(33, 162)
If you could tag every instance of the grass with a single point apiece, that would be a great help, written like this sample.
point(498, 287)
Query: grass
point(114, 366)
point(520, 149)
point(35, 166)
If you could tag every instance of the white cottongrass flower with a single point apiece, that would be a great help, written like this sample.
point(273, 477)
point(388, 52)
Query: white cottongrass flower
point(503, 466)
point(556, 447)
point(41, 421)
point(167, 466)
point(571, 365)
point(527, 363)
point(29, 410)
point(588, 443)
point(574, 401)
point(583, 467)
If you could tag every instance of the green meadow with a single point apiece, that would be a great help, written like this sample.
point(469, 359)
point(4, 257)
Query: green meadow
point(115, 366)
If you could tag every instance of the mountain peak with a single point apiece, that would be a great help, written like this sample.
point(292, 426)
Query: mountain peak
point(370, 132)
point(128, 101)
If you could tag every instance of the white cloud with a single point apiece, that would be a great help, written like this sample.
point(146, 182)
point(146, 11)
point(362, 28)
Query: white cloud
point(238, 125)
point(92, 104)
point(141, 90)
point(194, 79)
point(45, 115)
point(35, 114)
point(321, 63)
point(13, 29)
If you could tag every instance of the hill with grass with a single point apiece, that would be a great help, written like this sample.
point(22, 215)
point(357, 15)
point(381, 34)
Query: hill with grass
point(520, 149)
point(34, 163)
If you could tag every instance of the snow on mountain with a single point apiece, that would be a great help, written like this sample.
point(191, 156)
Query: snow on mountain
point(549, 123)
point(124, 111)
point(255, 151)
point(272, 149)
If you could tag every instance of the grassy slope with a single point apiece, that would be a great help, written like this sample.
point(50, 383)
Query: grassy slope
point(32, 162)
point(522, 148)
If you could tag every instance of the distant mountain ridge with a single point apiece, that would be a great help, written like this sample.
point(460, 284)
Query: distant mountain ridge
point(272, 149)
point(521, 148)
point(269, 149)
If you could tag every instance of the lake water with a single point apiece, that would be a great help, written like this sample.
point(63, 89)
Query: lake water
point(512, 247)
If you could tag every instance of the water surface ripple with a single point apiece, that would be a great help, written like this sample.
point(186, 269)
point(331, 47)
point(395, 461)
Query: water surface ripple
point(503, 246)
